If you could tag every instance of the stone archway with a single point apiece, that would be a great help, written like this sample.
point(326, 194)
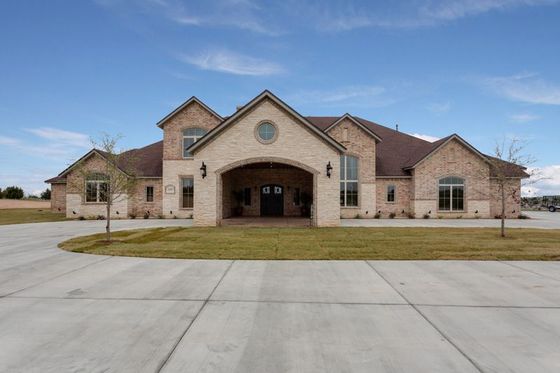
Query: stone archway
point(245, 178)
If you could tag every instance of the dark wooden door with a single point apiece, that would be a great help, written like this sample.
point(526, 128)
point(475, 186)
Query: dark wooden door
point(272, 200)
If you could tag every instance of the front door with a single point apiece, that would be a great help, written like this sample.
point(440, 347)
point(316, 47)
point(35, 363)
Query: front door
point(272, 200)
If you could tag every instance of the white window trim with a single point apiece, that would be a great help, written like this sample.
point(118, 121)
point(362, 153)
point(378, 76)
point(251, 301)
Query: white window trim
point(451, 187)
point(194, 137)
point(97, 191)
point(346, 181)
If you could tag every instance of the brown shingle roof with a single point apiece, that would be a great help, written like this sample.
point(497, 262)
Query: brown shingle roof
point(395, 152)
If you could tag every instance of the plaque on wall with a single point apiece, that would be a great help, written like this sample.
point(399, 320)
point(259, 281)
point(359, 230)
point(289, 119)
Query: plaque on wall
point(170, 189)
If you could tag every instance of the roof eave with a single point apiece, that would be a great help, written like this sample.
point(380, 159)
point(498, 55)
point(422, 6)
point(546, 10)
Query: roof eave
point(358, 123)
point(184, 105)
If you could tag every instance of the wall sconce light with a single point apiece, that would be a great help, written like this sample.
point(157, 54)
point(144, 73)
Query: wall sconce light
point(203, 170)
point(429, 212)
point(329, 169)
point(170, 212)
point(476, 212)
point(117, 212)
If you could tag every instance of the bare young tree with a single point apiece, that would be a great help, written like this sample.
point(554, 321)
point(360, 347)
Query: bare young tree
point(509, 162)
point(110, 179)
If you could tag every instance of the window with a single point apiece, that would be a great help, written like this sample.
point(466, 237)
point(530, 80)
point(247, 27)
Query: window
point(247, 196)
point(266, 132)
point(451, 194)
point(149, 194)
point(188, 193)
point(190, 136)
point(348, 181)
point(96, 188)
point(297, 197)
point(391, 193)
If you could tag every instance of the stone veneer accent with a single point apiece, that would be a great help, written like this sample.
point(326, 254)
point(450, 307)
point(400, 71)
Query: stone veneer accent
point(359, 144)
point(454, 159)
point(295, 145)
point(192, 116)
point(58, 197)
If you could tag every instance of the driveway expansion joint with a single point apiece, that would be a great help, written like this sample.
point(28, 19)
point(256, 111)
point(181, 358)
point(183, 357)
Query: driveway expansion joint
point(438, 330)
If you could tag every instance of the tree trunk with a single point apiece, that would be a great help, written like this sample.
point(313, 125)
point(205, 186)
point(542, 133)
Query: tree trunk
point(108, 225)
point(503, 227)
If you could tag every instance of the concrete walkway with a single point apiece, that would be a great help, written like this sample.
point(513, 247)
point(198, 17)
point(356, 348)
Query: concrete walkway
point(539, 219)
point(68, 312)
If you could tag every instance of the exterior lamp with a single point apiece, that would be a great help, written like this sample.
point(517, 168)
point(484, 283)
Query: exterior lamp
point(203, 170)
point(329, 169)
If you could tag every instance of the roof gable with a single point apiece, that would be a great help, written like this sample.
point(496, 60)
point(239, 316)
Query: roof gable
point(357, 123)
point(184, 105)
point(437, 145)
point(216, 131)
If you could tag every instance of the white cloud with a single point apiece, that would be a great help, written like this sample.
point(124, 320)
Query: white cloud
point(4, 140)
point(523, 117)
point(546, 182)
point(61, 136)
point(425, 137)
point(439, 107)
point(527, 88)
point(355, 95)
point(233, 63)
point(411, 14)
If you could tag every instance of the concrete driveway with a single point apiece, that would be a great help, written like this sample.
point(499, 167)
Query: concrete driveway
point(67, 312)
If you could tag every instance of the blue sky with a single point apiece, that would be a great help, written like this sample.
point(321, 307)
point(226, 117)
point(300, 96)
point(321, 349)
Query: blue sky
point(486, 69)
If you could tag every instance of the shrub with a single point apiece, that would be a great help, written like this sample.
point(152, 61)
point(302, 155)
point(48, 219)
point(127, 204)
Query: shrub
point(132, 215)
point(160, 216)
point(426, 216)
point(174, 216)
point(147, 215)
point(411, 215)
point(358, 216)
point(81, 217)
point(459, 217)
point(392, 215)
point(377, 215)
point(100, 217)
point(523, 216)
point(13, 192)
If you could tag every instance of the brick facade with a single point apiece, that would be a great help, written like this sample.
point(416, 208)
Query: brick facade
point(359, 144)
point(58, 197)
point(513, 200)
point(192, 116)
point(402, 205)
point(137, 203)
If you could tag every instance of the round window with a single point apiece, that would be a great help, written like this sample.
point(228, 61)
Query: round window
point(266, 132)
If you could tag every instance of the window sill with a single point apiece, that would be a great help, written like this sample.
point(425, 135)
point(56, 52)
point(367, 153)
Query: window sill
point(186, 208)
point(450, 212)
point(188, 158)
point(350, 207)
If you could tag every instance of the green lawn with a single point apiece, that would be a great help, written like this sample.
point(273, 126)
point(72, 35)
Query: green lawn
point(326, 243)
point(19, 216)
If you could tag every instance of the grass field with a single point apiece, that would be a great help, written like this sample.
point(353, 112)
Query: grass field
point(28, 215)
point(326, 243)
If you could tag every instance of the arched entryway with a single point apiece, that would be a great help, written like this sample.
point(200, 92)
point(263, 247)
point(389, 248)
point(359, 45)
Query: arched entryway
point(266, 188)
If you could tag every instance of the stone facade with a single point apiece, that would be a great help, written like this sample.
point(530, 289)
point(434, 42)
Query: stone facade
point(295, 145)
point(58, 197)
point(360, 144)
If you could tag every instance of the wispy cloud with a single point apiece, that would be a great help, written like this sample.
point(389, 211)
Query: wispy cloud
point(411, 14)
point(527, 87)
point(439, 107)
point(523, 117)
point(548, 182)
point(355, 95)
point(425, 137)
point(232, 63)
point(240, 14)
point(61, 136)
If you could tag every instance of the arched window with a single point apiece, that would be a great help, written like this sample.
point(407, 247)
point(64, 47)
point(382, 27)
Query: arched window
point(96, 188)
point(190, 136)
point(451, 194)
point(348, 181)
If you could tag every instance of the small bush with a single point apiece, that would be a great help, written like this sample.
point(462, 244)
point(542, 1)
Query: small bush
point(132, 215)
point(174, 216)
point(523, 216)
point(497, 216)
point(358, 216)
point(411, 215)
point(426, 216)
point(147, 215)
point(377, 215)
point(459, 217)
point(81, 217)
point(160, 216)
point(392, 215)
point(100, 217)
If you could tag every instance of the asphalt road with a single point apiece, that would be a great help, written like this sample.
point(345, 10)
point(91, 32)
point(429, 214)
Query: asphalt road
point(68, 312)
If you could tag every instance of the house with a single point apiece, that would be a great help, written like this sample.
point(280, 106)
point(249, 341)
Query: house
point(266, 159)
